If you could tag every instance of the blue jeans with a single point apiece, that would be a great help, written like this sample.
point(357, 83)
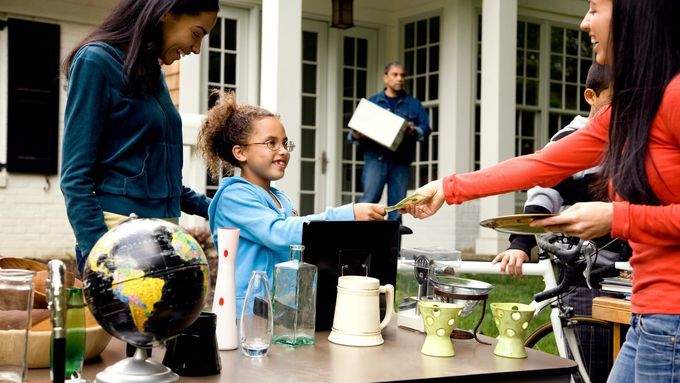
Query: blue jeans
point(379, 171)
point(651, 352)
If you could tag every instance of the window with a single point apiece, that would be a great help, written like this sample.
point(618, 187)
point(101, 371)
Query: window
point(32, 97)
point(421, 60)
point(222, 69)
point(564, 81)
point(310, 96)
point(354, 87)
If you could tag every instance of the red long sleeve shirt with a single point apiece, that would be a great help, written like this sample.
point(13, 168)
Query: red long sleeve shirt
point(653, 232)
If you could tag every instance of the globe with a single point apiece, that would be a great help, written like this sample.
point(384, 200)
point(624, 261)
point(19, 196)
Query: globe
point(145, 281)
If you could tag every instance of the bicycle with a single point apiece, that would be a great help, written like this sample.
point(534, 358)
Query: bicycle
point(574, 264)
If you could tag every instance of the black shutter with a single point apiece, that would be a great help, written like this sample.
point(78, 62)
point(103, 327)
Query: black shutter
point(33, 97)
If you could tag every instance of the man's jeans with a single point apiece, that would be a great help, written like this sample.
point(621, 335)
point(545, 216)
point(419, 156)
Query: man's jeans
point(651, 353)
point(379, 171)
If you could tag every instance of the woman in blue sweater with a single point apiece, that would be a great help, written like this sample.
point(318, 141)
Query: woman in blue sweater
point(254, 140)
point(122, 144)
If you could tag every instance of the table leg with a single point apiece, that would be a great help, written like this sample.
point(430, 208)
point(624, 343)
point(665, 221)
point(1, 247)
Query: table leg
point(616, 340)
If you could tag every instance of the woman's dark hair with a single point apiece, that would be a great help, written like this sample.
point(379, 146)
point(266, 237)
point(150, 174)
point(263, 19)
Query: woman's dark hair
point(135, 26)
point(646, 45)
point(228, 124)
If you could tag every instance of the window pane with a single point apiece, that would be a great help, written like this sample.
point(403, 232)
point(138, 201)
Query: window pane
point(362, 53)
point(526, 146)
point(421, 34)
point(434, 30)
point(553, 124)
point(533, 36)
point(408, 62)
point(214, 66)
point(215, 35)
point(348, 51)
point(346, 148)
point(230, 34)
point(308, 111)
point(229, 68)
point(420, 88)
point(570, 96)
point(520, 63)
point(434, 120)
point(585, 67)
point(409, 35)
point(433, 90)
point(424, 150)
point(307, 175)
point(520, 34)
point(532, 92)
point(519, 91)
point(586, 46)
point(421, 59)
point(570, 70)
point(308, 144)
point(435, 171)
point(308, 78)
point(347, 110)
point(435, 146)
point(409, 85)
point(359, 154)
point(361, 83)
point(347, 177)
point(434, 58)
point(532, 64)
point(309, 44)
point(357, 179)
point(348, 83)
point(555, 95)
point(527, 124)
point(556, 67)
point(306, 204)
point(572, 42)
point(556, 38)
point(423, 179)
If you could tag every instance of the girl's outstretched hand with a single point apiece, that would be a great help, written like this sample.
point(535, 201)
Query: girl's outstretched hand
point(369, 212)
point(435, 193)
point(586, 220)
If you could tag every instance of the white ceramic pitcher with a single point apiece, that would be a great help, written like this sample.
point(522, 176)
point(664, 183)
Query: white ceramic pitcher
point(357, 311)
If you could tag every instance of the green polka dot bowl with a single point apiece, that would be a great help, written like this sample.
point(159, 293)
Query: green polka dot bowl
point(439, 319)
point(512, 321)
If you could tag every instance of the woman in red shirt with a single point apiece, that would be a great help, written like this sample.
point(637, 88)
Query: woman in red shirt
point(637, 140)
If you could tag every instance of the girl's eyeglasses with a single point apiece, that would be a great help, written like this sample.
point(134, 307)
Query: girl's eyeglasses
point(274, 145)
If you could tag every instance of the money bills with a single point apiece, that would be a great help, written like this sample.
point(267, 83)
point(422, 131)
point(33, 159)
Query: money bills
point(410, 200)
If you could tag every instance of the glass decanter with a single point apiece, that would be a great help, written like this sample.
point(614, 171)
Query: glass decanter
point(256, 325)
point(294, 300)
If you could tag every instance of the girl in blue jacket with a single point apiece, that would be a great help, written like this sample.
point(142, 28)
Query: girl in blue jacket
point(254, 140)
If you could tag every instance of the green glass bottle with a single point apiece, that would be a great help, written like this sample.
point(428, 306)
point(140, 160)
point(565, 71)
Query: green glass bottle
point(75, 333)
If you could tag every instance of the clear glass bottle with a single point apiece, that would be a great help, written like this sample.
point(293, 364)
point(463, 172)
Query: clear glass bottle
point(256, 324)
point(294, 300)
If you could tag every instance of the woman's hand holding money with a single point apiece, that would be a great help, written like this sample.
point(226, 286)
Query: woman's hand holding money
point(434, 191)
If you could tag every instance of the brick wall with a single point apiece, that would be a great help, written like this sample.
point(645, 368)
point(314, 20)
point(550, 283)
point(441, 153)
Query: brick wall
point(33, 219)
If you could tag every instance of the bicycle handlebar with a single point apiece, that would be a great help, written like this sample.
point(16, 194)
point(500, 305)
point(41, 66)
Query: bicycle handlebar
point(554, 243)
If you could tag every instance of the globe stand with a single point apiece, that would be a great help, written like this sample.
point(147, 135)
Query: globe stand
point(137, 369)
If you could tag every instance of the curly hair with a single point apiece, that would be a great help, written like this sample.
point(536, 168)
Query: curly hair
point(228, 124)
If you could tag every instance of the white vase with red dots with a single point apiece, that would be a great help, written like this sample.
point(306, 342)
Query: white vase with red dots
point(224, 301)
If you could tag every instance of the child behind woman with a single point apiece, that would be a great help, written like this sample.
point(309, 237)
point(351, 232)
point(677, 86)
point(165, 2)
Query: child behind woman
point(254, 140)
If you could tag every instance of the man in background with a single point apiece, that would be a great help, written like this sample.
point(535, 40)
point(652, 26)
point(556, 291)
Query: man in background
point(381, 165)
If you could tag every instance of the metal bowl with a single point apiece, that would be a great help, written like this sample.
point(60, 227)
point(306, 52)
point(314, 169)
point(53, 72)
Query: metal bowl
point(462, 286)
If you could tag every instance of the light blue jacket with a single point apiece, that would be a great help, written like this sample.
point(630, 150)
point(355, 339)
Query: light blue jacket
point(266, 231)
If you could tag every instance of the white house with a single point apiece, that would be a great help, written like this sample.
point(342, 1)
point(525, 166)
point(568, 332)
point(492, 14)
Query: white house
point(497, 76)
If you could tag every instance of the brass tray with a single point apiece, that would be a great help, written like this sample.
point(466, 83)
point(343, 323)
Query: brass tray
point(516, 223)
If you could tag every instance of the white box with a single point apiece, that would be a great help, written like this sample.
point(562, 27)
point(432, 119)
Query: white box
point(378, 124)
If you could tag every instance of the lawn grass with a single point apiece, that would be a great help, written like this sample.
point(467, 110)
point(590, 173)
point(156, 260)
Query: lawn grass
point(509, 289)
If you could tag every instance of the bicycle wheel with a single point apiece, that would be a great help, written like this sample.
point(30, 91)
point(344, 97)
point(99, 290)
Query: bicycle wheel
point(594, 338)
